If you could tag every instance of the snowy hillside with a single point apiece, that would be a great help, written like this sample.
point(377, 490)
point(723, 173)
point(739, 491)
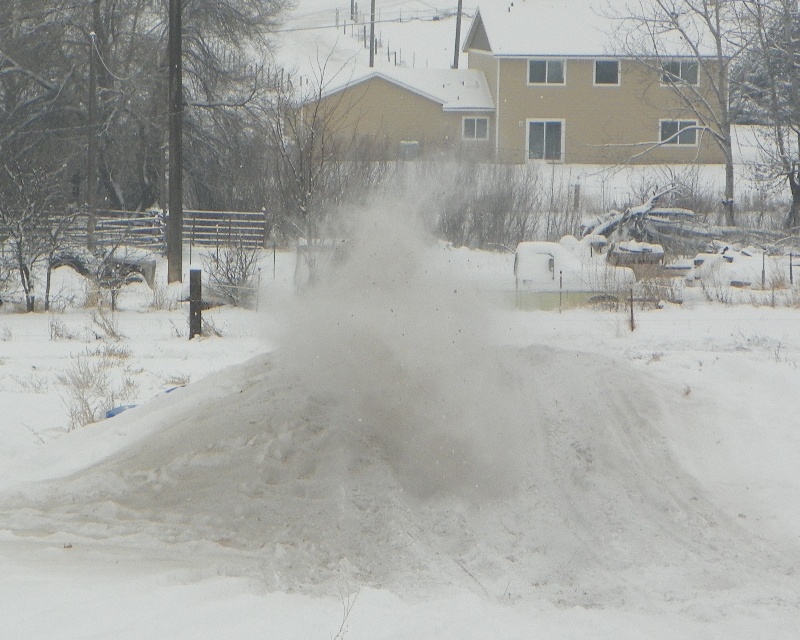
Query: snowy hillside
point(410, 33)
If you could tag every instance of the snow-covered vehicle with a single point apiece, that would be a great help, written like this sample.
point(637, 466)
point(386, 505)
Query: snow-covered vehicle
point(631, 252)
point(570, 266)
point(744, 268)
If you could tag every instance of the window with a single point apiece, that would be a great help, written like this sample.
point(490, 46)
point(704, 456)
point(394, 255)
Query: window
point(606, 72)
point(545, 140)
point(679, 132)
point(545, 72)
point(678, 71)
point(476, 129)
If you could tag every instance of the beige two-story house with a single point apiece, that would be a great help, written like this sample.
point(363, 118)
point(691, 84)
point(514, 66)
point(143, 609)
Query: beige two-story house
point(561, 97)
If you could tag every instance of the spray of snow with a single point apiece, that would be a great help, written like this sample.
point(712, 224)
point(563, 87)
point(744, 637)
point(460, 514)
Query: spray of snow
point(403, 357)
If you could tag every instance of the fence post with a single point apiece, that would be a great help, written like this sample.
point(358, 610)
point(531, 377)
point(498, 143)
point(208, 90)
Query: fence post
point(791, 273)
point(195, 303)
point(633, 322)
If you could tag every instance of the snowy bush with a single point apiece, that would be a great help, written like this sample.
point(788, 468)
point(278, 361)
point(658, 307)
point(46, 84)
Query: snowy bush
point(95, 383)
point(106, 325)
point(231, 271)
point(60, 331)
point(486, 206)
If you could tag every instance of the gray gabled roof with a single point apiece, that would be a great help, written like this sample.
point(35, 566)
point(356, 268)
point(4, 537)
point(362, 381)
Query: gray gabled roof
point(540, 27)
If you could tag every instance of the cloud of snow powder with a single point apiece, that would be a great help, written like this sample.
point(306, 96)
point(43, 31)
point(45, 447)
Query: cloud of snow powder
point(400, 355)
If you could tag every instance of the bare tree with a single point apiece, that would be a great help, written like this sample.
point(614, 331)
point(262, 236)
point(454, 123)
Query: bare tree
point(28, 223)
point(690, 45)
point(313, 154)
point(45, 48)
point(769, 89)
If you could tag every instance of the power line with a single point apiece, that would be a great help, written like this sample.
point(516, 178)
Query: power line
point(399, 19)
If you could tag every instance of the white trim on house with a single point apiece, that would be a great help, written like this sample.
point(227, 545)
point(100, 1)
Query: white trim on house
point(497, 109)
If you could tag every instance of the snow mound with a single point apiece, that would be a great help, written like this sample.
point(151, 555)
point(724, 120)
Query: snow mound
point(308, 487)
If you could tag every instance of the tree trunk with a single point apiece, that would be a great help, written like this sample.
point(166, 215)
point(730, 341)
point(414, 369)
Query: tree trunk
point(793, 219)
point(728, 203)
point(47, 283)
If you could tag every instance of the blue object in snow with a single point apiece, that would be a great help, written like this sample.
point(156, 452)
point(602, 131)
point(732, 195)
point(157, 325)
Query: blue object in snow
point(117, 410)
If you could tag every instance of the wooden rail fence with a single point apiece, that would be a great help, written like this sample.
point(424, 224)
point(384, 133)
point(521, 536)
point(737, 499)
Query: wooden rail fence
point(203, 228)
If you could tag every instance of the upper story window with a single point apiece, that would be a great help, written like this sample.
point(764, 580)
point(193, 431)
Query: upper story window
point(546, 71)
point(679, 71)
point(475, 129)
point(606, 72)
point(682, 132)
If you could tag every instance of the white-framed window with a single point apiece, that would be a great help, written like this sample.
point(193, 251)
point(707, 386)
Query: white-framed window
point(475, 128)
point(547, 71)
point(546, 140)
point(680, 132)
point(606, 73)
point(679, 72)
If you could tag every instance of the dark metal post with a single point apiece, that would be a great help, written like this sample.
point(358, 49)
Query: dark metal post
point(791, 273)
point(372, 34)
point(91, 152)
point(458, 34)
point(195, 303)
point(175, 217)
point(633, 322)
point(560, 288)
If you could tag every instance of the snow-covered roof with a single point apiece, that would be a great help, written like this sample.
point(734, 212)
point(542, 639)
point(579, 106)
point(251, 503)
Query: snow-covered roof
point(567, 28)
point(542, 27)
point(454, 89)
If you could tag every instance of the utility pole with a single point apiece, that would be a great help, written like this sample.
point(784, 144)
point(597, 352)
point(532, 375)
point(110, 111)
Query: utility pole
point(91, 152)
point(175, 202)
point(372, 34)
point(458, 34)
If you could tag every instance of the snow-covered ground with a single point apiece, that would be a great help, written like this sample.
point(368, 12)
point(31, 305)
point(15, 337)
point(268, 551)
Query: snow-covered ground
point(402, 453)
